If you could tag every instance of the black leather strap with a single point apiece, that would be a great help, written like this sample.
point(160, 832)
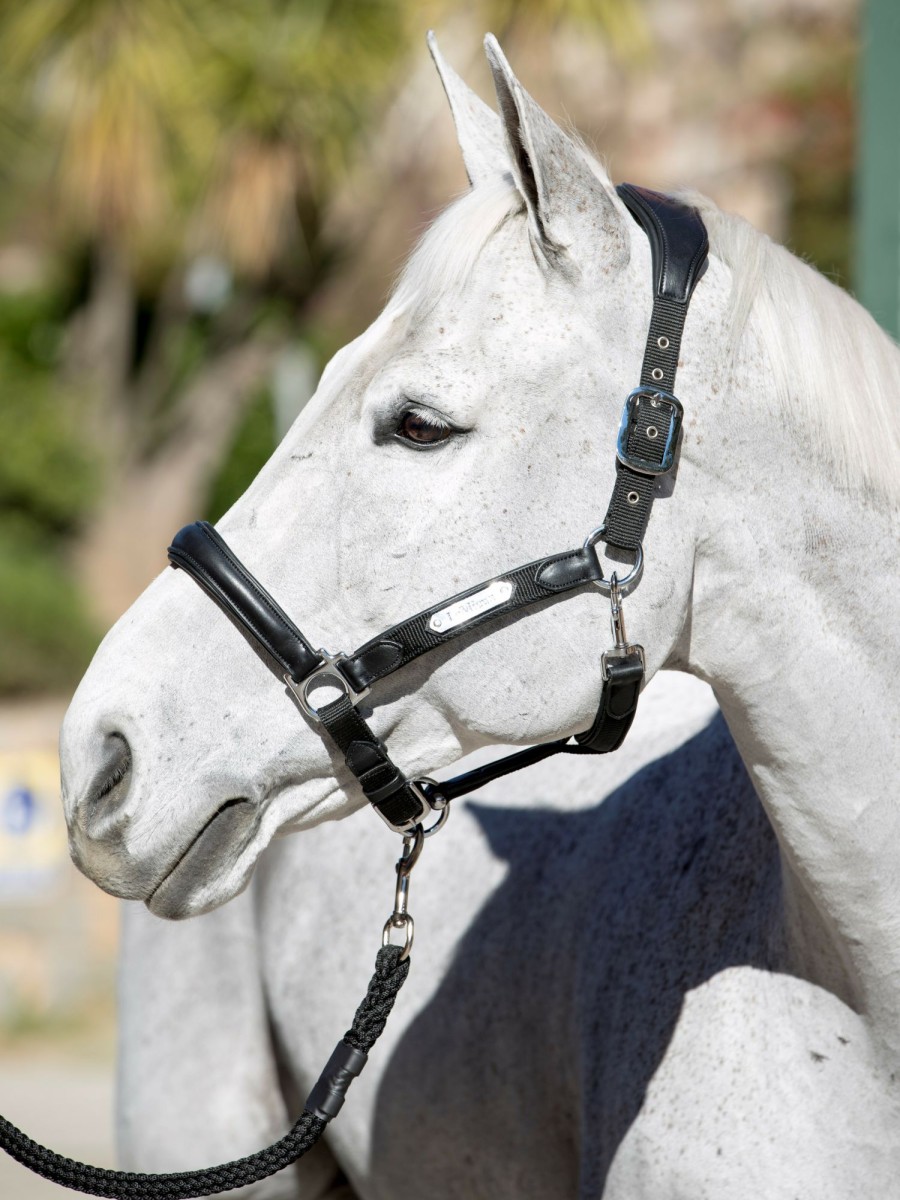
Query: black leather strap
point(200, 551)
point(618, 704)
point(678, 240)
point(404, 642)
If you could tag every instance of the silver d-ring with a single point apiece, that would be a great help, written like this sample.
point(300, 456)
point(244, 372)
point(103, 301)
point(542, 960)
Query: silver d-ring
point(630, 581)
point(443, 818)
point(400, 921)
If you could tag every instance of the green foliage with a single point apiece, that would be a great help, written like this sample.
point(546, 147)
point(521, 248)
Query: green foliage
point(252, 446)
point(46, 637)
point(45, 471)
point(822, 101)
point(47, 485)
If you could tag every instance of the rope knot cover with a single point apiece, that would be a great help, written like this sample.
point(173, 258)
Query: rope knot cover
point(368, 1024)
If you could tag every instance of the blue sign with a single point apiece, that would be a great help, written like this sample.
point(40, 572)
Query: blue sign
point(19, 810)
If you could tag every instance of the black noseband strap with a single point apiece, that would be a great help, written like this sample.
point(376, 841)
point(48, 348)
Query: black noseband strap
point(205, 556)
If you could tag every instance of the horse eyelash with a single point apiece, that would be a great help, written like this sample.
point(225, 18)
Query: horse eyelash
point(428, 415)
point(387, 425)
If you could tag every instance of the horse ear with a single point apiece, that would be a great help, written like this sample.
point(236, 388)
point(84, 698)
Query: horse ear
point(478, 128)
point(572, 206)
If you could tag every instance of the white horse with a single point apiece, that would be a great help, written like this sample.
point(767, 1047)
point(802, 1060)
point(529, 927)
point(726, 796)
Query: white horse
point(668, 1001)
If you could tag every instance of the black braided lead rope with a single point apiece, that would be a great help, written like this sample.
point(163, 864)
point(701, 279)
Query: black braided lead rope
point(368, 1024)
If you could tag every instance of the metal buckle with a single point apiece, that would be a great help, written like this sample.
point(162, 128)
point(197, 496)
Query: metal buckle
point(327, 672)
point(412, 824)
point(673, 411)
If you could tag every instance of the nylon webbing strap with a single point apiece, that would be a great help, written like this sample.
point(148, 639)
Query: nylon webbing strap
point(679, 248)
point(435, 626)
point(653, 424)
point(386, 787)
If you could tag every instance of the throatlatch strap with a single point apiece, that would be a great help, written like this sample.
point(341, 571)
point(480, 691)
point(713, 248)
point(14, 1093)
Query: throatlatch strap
point(616, 711)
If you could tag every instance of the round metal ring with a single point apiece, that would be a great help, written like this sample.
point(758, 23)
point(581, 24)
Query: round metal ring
point(400, 921)
point(443, 818)
point(630, 581)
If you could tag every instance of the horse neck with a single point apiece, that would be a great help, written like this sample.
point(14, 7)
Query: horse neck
point(795, 609)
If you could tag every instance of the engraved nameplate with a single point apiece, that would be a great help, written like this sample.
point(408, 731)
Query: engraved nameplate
point(473, 606)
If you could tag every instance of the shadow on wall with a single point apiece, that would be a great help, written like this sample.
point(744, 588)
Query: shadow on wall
point(565, 993)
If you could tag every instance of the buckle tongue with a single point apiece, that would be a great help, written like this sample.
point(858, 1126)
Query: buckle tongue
point(670, 411)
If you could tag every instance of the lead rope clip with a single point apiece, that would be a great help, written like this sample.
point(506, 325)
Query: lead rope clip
point(621, 648)
point(401, 918)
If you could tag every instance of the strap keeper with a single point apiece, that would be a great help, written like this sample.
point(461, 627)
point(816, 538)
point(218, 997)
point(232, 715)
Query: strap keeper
point(378, 794)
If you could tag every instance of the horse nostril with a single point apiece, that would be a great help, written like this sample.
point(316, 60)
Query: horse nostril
point(109, 786)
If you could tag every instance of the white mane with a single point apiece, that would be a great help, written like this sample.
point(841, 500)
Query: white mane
point(442, 261)
point(836, 373)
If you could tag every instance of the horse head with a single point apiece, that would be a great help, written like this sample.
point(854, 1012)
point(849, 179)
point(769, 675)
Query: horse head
point(471, 428)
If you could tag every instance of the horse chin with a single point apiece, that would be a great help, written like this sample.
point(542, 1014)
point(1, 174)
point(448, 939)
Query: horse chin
point(213, 869)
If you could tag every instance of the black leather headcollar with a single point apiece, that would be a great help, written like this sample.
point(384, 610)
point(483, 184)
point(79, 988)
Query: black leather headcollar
point(646, 448)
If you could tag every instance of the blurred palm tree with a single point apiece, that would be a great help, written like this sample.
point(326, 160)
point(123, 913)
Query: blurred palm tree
point(181, 156)
point(156, 134)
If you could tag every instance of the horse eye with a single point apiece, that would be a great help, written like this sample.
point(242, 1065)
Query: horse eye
point(422, 431)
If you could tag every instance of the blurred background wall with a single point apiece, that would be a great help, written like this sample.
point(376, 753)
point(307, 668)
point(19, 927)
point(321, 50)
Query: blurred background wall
point(201, 201)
